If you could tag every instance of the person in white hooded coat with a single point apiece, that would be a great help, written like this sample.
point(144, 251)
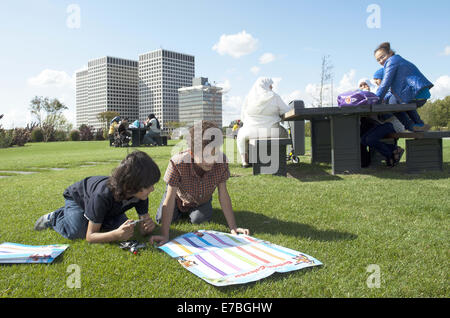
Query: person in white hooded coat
point(260, 115)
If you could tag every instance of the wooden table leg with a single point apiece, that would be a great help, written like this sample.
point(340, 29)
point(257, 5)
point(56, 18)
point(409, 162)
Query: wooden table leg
point(320, 140)
point(345, 144)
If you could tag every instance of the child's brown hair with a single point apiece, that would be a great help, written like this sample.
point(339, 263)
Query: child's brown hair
point(136, 172)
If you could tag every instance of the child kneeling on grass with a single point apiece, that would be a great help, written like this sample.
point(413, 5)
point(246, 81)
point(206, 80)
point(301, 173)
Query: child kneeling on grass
point(95, 206)
point(192, 177)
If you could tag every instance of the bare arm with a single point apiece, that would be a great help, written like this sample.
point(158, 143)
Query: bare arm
point(227, 208)
point(124, 232)
point(167, 216)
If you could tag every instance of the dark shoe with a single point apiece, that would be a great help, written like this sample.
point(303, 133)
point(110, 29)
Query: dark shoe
point(44, 222)
point(397, 155)
point(390, 162)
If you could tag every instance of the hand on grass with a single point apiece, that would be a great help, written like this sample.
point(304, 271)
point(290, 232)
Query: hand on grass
point(240, 230)
point(159, 238)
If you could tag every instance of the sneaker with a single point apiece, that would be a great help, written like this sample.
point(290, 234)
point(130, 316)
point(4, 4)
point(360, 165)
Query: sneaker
point(421, 127)
point(43, 222)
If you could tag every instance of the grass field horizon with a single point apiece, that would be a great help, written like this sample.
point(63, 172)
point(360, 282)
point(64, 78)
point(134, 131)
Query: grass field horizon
point(383, 217)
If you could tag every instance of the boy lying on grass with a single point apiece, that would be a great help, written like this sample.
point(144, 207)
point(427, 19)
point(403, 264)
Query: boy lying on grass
point(95, 206)
point(192, 177)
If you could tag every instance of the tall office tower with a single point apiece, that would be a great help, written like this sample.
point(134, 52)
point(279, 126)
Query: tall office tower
point(161, 74)
point(201, 101)
point(81, 97)
point(112, 85)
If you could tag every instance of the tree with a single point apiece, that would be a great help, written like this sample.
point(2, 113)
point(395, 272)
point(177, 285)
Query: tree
point(436, 113)
point(106, 117)
point(48, 113)
point(41, 107)
point(326, 82)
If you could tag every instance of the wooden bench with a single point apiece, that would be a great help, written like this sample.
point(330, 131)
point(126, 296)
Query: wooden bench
point(423, 150)
point(263, 160)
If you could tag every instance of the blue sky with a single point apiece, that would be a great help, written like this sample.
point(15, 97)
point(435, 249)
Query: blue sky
point(40, 50)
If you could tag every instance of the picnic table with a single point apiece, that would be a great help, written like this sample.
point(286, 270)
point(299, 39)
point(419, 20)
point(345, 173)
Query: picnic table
point(137, 135)
point(335, 132)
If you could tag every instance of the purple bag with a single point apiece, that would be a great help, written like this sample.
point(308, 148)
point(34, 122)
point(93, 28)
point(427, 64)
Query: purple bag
point(355, 98)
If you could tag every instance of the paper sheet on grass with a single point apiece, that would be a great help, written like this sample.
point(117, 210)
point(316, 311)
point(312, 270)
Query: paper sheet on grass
point(13, 253)
point(223, 259)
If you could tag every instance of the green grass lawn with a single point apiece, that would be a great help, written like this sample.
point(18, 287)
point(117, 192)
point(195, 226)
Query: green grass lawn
point(382, 216)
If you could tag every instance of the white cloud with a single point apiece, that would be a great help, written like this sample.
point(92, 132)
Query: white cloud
point(266, 58)
point(294, 95)
point(446, 50)
point(52, 78)
point(347, 82)
point(255, 70)
point(226, 86)
point(236, 45)
point(441, 87)
point(231, 108)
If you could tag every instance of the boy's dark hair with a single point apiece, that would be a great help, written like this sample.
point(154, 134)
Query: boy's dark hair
point(385, 46)
point(136, 172)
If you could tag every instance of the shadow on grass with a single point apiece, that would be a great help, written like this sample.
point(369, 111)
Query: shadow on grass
point(259, 223)
point(307, 172)
point(277, 276)
point(311, 172)
point(400, 172)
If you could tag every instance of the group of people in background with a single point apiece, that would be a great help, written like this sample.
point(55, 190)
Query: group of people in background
point(120, 135)
point(399, 82)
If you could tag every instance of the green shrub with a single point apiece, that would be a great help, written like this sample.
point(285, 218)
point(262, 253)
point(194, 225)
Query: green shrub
point(99, 135)
point(20, 136)
point(86, 132)
point(6, 137)
point(37, 135)
point(60, 135)
point(74, 135)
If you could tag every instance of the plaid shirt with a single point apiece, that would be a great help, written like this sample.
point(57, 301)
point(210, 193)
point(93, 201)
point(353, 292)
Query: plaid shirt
point(194, 190)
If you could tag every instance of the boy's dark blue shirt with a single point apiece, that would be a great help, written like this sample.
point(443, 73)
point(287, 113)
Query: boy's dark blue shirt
point(96, 199)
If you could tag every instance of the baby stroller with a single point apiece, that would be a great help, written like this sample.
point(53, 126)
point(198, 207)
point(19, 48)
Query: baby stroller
point(122, 136)
point(296, 133)
point(121, 139)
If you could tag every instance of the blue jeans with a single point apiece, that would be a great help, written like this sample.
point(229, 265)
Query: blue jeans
point(70, 222)
point(200, 214)
point(372, 139)
point(411, 117)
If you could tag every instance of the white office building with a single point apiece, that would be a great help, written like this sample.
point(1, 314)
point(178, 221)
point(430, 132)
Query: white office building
point(161, 74)
point(82, 100)
point(201, 101)
point(109, 84)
